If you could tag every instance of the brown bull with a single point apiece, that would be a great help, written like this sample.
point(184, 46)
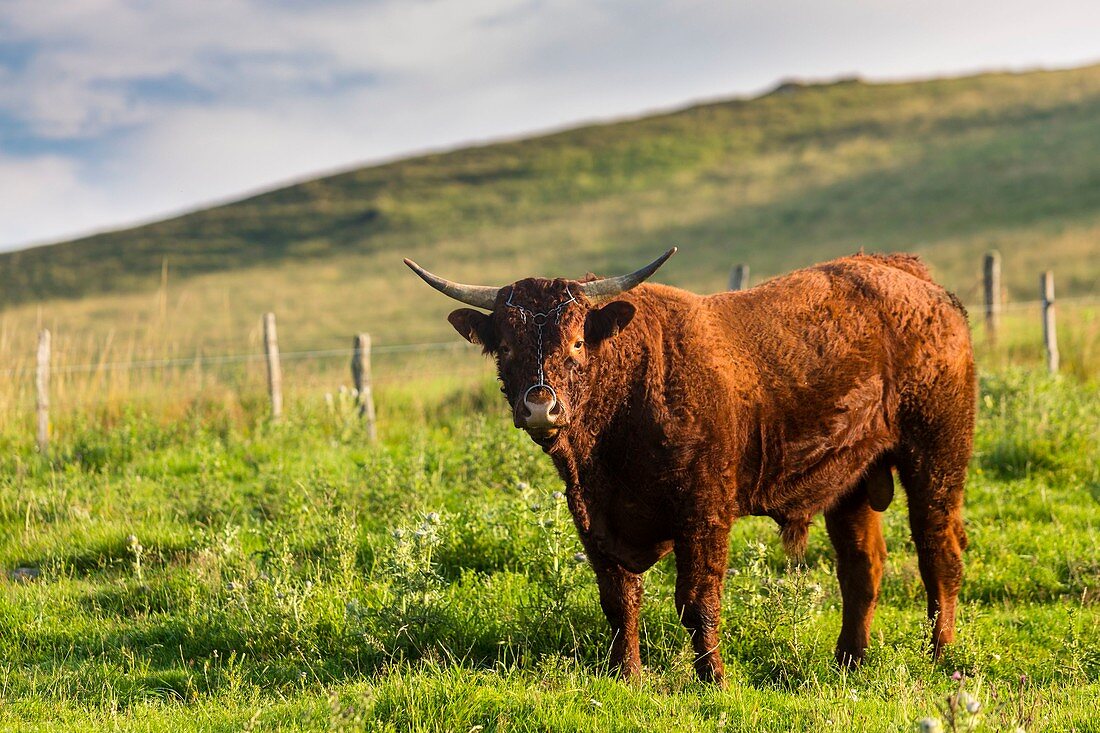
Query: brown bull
point(669, 415)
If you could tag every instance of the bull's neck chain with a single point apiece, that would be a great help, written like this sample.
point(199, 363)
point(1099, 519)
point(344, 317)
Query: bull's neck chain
point(540, 320)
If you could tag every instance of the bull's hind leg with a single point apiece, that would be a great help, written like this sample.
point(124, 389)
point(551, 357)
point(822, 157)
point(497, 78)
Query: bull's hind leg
point(932, 466)
point(621, 600)
point(856, 533)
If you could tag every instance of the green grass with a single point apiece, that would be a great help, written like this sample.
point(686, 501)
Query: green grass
point(945, 168)
point(218, 572)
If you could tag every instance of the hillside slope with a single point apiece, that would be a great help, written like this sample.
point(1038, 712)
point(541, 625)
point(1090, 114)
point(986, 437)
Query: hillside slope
point(945, 168)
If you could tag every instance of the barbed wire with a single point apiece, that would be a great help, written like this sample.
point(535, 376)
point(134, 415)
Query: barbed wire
point(1026, 304)
point(204, 360)
point(216, 359)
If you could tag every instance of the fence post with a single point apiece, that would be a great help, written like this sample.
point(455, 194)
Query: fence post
point(991, 277)
point(360, 374)
point(739, 277)
point(1050, 335)
point(42, 389)
point(274, 370)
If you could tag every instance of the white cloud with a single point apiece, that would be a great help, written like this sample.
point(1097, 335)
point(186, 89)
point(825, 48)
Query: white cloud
point(47, 192)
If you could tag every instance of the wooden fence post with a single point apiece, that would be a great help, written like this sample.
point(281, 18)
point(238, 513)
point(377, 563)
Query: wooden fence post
point(991, 277)
point(360, 374)
point(42, 389)
point(1050, 335)
point(274, 369)
point(739, 277)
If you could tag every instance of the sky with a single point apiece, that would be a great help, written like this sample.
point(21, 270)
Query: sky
point(116, 112)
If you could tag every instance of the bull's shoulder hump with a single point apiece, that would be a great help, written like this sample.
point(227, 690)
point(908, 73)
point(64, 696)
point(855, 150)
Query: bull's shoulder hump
point(911, 265)
point(659, 291)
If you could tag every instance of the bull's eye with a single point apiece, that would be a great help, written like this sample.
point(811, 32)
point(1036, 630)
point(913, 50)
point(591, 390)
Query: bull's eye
point(505, 351)
point(578, 345)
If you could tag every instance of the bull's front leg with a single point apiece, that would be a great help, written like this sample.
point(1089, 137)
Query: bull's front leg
point(701, 555)
point(621, 600)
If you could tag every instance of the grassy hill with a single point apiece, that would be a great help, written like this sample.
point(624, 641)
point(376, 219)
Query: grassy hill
point(945, 168)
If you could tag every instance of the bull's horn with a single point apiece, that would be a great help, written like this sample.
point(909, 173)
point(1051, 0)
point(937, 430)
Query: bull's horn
point(609, 287)
point(479, 296)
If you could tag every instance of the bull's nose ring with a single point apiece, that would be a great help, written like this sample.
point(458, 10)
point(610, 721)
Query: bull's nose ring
point(541, 385)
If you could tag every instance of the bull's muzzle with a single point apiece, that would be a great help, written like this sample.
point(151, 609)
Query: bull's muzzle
point(539, 412)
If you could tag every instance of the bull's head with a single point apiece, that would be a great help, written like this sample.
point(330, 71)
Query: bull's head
point(543, 334)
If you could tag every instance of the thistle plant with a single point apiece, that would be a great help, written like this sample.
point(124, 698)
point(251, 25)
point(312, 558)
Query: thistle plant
point(409, 563)
point(137, 552)
point(552, 559)
point(780, 611)
point(961, 710)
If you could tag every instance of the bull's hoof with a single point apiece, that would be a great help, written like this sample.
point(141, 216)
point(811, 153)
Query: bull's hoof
point(937, 650)
point(711, 672)
point(849, 658)
point(628, 670)
point(939, 642)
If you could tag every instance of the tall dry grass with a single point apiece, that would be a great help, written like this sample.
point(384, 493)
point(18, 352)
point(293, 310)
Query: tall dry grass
point(149, 371)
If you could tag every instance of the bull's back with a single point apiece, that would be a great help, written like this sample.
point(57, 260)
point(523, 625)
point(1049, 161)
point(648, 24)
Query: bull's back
point(853, 316)
point(853, 330)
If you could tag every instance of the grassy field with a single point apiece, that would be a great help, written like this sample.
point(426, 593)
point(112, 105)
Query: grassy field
point(944, 168)
point(213, 571)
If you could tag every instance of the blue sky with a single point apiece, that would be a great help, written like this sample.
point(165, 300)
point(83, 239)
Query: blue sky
point(114, 112)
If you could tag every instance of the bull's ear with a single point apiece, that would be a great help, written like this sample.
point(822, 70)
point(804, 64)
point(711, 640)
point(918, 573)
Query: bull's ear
point(474, 326)
point(603, 323)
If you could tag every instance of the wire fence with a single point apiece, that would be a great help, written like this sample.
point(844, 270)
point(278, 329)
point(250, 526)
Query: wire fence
point(91, 376)
point(207, 360)
point(1023, 305)
point(241, 358)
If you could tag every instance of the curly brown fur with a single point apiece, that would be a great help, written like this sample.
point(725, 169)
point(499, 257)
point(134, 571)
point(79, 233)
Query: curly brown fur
point(680, 413)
